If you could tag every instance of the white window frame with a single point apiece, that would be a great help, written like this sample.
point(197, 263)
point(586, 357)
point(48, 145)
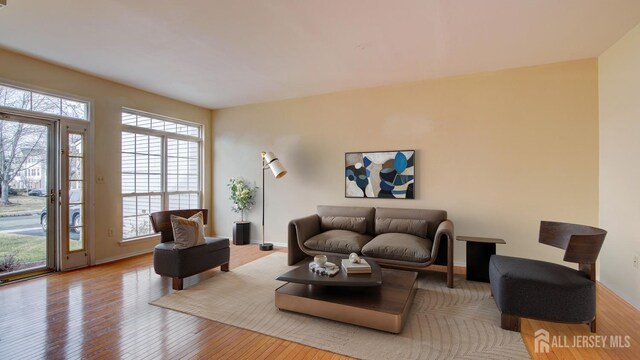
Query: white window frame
point(32, 90)
point(164, 135)
point(62, 120)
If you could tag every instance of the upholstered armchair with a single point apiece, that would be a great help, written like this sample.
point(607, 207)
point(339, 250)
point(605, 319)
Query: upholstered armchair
point(181, 263)
point(546, 291)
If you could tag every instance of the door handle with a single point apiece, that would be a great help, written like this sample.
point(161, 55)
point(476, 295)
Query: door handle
point(52, 196)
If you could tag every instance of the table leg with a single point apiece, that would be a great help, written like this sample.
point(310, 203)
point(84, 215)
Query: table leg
point(478, 256)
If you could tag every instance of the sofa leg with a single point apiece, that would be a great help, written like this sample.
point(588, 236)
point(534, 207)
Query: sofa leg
point(510, 322)
point(592, 325)
point(450, 277)
point(177, 283)
point(224, 267)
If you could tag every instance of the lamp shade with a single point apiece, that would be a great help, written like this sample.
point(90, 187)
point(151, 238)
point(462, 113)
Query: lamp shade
point(275, 165)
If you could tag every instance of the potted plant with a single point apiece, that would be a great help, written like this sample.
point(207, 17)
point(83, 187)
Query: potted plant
point(243, 198)
point(243, 195)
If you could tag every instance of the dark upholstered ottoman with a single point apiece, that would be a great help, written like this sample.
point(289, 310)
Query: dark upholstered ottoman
point(541, 290)
point(180, 263)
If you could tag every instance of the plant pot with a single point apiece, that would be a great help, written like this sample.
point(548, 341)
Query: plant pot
point(241, 232)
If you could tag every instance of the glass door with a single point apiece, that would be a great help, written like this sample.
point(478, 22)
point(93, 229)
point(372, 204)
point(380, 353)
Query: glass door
point(27, 196)
point(73, 199)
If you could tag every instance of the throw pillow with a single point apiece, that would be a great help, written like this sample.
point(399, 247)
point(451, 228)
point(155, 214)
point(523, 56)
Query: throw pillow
point(351, 223)
point(188, 232)
point(407, 226)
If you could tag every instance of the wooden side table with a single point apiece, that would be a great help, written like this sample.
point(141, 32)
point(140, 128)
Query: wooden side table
point(479, 251)
point(241, 232)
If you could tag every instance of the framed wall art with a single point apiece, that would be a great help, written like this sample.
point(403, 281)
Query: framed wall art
point(380, 174)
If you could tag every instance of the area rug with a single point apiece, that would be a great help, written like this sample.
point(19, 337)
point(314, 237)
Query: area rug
point(443, 323)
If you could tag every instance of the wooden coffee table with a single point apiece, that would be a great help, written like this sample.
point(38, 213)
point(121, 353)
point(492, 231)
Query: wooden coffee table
point(380, 300)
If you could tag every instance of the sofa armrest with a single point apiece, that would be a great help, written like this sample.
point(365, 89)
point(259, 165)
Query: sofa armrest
point(445, 231)
point(300, 230)
point(445, 228)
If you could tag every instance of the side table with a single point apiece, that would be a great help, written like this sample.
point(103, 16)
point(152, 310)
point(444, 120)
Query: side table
point(241, 232)
point(479, 251)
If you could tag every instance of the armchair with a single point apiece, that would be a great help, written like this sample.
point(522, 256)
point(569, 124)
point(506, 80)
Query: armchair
point(546, 291)
point(181, 263)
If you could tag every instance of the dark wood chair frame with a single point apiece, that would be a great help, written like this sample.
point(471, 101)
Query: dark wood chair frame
point(581, 244)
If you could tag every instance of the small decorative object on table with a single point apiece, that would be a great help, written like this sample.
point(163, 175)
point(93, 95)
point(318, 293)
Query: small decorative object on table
point(356, 265)
point(320, 259)
point(321, 266)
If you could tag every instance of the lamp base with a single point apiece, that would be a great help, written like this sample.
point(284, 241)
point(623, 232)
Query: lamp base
point(266, 247)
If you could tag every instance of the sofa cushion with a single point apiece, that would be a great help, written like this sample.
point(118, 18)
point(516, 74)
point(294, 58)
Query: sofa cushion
point(338, 241)
point(351, 223)
point(407, 226)
point(181, 263)
point(351, 211)
point(433, 217)
point(543, 290)
point(211, 244)
point(399, 246)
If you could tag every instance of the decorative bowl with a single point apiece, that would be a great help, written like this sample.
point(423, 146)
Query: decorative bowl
point(320, 260)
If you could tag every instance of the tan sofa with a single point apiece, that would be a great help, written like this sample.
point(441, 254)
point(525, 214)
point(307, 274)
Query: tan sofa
point(397, 238)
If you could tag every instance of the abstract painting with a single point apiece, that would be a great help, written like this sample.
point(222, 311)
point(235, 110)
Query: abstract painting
point(382, 174)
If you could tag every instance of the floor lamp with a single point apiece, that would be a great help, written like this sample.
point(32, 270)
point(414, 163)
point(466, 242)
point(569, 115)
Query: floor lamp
point(269, 161)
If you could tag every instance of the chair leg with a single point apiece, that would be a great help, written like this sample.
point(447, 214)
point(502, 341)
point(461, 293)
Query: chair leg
point(224, 267)
point(592, 325)
point(510, 322)
point(177, 283)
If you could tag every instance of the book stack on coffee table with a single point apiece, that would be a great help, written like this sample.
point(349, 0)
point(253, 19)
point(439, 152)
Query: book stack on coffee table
point(361, 267)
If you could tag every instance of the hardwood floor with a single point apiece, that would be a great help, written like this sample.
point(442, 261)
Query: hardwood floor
point(103, 313)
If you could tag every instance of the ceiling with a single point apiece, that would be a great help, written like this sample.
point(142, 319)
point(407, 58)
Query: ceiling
point(225, 53)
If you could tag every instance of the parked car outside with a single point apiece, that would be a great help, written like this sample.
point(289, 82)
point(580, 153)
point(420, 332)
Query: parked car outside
point(37, 192)
point(74, 211)
point(73, 221)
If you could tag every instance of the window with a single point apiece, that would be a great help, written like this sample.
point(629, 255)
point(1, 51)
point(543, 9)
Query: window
point(160, 169)
point(23, 99)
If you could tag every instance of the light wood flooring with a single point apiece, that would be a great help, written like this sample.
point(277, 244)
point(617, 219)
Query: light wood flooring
point(103, 312)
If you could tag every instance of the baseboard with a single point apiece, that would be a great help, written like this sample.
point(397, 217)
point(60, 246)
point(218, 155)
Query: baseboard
point(622, 295)
point(121, 257)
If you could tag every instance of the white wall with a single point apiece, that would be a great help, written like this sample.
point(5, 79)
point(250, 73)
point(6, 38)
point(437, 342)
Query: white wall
point(499, 151)
point(619, 84)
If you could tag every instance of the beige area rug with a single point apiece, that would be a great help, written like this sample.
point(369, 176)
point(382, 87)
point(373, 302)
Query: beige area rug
point(444, 323)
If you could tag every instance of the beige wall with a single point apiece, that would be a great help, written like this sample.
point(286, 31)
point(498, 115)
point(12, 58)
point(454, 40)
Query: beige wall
point(108, 100)
point(619, 72)
point(499, 151)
